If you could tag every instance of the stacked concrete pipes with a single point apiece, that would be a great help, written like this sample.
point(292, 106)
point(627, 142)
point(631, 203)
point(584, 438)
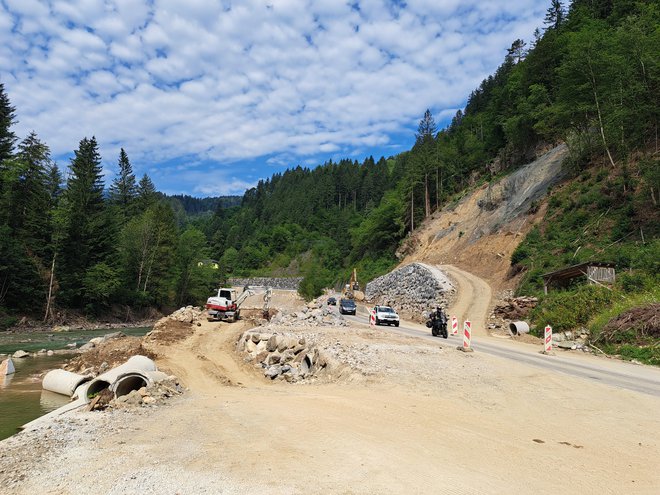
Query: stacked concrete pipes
point(137, 372)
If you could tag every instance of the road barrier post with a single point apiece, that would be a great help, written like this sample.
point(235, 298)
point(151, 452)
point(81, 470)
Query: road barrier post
point(467, 337)
point(547, 348)
point(372, 318)
point(454, 325)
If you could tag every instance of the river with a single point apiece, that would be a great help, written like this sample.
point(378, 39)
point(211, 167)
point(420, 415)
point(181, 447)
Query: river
point(21, 396)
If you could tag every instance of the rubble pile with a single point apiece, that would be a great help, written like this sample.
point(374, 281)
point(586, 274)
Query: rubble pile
point(97, 341)
point(188, 314)
point(511, 309)
point(515, 308)
point(153, 395)
point(412, 290)
point(315, 314)
point(283, 283)
point(283, 356)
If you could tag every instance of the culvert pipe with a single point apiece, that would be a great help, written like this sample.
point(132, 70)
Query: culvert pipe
point(63, 382)
point(306, 364)
point(518, 327)
point(135, 380)
point(136, 364)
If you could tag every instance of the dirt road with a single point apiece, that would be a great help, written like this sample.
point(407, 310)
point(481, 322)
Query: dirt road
point(410, 416)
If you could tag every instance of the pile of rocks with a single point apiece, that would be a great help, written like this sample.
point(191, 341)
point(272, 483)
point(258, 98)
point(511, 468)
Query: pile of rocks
point(315, 314)
point(100, 340)
point(152, 395)
point(285, 283)
point(511, 309)
point(413, 290)
point(515, 308)
point(188, 314)
point(283, 356)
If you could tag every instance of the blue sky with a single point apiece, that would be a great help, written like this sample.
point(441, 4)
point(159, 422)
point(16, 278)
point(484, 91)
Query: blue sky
point(209, 96)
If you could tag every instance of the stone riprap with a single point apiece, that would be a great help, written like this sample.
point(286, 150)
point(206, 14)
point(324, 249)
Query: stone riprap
point(283, 356)
point(282, 283)
point(412, 290)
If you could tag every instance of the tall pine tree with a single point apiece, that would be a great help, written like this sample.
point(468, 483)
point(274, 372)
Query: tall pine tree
point(85, 240)
point(123, 190)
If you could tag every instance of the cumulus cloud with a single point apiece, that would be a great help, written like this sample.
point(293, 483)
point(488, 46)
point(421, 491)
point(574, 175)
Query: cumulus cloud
point(273, 82)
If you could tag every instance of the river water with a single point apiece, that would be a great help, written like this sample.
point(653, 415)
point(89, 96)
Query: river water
point(21, 396)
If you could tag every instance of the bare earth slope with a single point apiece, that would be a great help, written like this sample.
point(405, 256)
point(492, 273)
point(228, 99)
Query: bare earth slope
point(479, 232)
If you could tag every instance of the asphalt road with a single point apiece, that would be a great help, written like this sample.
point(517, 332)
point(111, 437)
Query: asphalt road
point(639, 378)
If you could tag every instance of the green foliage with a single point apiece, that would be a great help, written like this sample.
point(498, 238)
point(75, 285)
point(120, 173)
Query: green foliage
point(640, 291)
point(571, 309)
point(315, 279)
point(100, 284)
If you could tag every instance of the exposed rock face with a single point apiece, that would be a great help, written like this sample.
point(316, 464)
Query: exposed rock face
point(291, 283)
point(413, 290)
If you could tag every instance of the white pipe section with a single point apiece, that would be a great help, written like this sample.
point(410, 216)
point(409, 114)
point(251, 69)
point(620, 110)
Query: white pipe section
point(518, 327)
point(135, 380)
point(63, 382)
point(136, 364)
point(7, 367)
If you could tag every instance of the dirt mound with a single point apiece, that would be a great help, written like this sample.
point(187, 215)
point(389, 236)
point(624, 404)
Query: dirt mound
point(641, 324)
point(108, 355)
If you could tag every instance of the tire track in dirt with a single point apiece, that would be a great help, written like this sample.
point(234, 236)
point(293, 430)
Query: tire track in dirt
point(473, 298)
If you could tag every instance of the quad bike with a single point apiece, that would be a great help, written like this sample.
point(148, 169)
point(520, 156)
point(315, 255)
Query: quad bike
point(438, 326)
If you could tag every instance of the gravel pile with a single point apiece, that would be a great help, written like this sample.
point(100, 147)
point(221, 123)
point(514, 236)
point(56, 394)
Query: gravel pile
point(413, 290)
point(315, 314)
point(284, 283)
point(188, 314)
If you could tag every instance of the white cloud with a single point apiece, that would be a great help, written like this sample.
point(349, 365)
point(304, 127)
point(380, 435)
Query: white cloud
point(282, 81)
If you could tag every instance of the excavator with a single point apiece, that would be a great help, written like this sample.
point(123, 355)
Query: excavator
point(351, 286)
point(226, 306)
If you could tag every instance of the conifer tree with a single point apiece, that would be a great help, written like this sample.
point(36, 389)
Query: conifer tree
point(85, 239)
point(554, 16)
point(123, 190)
point(7, 119)
point(31, 196)
point(146, 194)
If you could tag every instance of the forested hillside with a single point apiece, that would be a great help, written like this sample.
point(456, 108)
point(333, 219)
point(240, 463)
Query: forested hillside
point(590, 77)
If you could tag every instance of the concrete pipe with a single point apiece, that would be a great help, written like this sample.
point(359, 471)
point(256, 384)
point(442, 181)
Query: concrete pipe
point(135, 380)
point(63, 382)
point(306, 364)
point(518, 328)
point(136, 364)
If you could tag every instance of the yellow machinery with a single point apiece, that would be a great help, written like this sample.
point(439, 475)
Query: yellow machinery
point(352, 286)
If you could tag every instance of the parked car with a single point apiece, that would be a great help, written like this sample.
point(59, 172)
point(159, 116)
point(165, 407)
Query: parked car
point(332, 301)
point(386, 315)
point(347, 307)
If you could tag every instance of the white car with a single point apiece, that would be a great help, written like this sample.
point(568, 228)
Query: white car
point(386, 315)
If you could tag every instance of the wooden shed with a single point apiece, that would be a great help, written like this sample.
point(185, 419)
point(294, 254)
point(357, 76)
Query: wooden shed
point(595, 272)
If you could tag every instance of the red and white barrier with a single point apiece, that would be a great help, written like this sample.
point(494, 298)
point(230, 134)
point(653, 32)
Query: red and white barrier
point(548, 340)
point(454, 325)
point(372, 318)
point(467, 335)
